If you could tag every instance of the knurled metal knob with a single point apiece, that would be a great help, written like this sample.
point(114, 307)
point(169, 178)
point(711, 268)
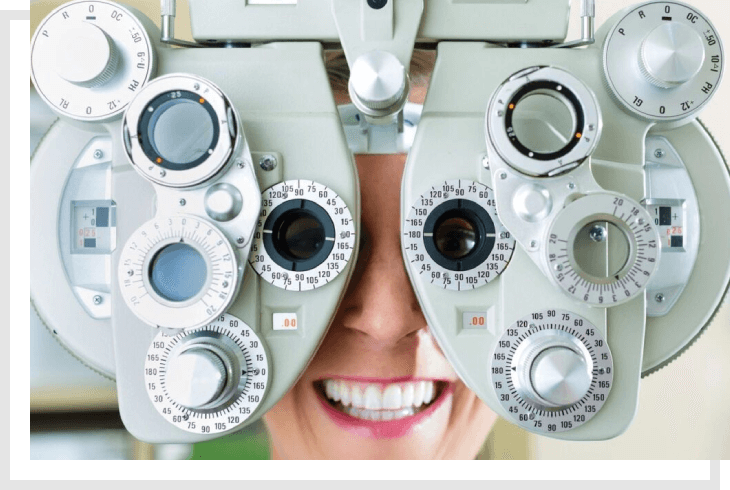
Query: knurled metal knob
point(560, 376)
point(196, 377)
point(85, 55)
point(672, 54)
point(378, 84)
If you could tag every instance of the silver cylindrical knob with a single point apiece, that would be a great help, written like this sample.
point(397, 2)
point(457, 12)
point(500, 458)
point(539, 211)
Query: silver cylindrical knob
point(196, 377)
point(672, 54)
point(560, 376)
point(378, 84)
point(85, 55)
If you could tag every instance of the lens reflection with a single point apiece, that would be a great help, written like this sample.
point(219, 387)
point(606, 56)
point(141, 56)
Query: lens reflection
point(455, 237)
point(178, 272)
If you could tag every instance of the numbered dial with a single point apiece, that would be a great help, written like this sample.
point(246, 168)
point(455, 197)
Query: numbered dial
point(453, 236)
point(663, 61)
point(552, 371)
point(602, 249)
point(89, 59)
point(178, 272)
point(207, 380)
point(305, 236)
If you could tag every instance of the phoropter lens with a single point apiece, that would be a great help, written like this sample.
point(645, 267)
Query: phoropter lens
point(544, 121)
point(178, 130)
point(299, 235)
point(459, 235)
point(455, 237)
point(178, 272)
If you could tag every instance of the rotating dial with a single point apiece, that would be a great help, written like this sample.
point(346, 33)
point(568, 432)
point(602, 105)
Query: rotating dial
point(602, 249)
point(90, 58)
point(552, 371)
point(305, 236)
point(210, 379)
point(663, 61)
point(178, 272)
point(454, 238)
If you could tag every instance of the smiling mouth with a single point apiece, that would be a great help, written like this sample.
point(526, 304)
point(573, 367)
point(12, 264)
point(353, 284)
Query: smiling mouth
point(380, 401)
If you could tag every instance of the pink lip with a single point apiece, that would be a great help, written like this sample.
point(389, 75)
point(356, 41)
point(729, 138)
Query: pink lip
point(390, 429)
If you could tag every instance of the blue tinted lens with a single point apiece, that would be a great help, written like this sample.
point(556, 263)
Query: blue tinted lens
point(178, 272)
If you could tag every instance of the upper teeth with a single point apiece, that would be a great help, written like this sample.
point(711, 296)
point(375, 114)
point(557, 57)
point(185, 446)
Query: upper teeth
point(371, 396)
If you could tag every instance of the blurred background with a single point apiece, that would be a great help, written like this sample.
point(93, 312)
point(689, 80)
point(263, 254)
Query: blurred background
point(684, 409)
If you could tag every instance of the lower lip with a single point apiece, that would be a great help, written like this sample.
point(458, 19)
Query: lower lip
point(389, 429)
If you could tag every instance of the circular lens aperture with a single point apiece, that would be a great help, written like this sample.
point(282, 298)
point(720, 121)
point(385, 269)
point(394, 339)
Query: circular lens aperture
point(178, 130)
point(601, 249)
point(299, 235)
point(178, 272)
point(544, 121)
point(455, 236)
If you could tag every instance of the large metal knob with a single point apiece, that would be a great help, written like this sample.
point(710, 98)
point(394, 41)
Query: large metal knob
point(85, 55)
point(378, 84)
point(196, 378)
point(556, 371)
point(672, 54)
point(560, 376)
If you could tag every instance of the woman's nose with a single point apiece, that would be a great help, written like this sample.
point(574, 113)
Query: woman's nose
point(382, 304)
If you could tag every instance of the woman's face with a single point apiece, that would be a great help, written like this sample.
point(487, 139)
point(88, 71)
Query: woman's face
point(379, 386)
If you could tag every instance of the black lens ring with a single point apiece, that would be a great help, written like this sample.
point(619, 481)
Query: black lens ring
point(526, 90)
point(148, 116)
point(475, 214)
point(273, 222)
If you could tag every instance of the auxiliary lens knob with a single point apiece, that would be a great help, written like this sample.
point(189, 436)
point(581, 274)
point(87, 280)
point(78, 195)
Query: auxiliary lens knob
point(196, 377)
point(85, 55)
point(378, 84)
point(560, 376)
point(210, 379)
point(672, 54)
point(552, 371)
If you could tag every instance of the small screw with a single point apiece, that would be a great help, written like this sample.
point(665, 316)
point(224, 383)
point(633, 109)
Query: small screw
point(533, 244)
point(641, 221)
point(601, 371)
point(598, 233)
point(532, 416)
point(98, 154)
point(196, 86)
point(532, 325)
point(162, 173)
point(558, 267)
point(503, 175)
point(225, 284)
point(268, 162)
point(500, 113)
point(241, 163)
point(183, 202)
point(659, 153)
point(485, 161)
point(98, 300)
point(446, 195)
point(130, 272)
point(240, 240)
point(591, 127)
point(571, 185)
point(659, 298)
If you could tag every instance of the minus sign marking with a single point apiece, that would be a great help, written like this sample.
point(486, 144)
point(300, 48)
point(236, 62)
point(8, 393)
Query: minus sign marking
point(666, 18)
